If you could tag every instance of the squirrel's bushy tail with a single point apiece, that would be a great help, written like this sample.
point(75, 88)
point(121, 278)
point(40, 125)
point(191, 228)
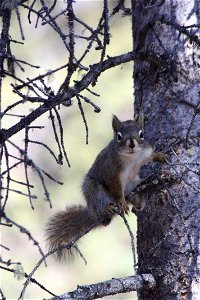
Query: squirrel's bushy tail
point(66, 226)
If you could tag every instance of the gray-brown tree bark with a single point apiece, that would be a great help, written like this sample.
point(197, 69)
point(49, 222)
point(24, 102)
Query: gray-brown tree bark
point(167, 91)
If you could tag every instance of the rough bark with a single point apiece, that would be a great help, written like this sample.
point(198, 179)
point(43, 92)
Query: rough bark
point(168, 228)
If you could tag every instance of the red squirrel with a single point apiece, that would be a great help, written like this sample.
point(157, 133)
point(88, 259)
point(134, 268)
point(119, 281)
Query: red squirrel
point(113, 175)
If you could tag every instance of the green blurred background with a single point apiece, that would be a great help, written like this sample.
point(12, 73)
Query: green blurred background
point(107, 250)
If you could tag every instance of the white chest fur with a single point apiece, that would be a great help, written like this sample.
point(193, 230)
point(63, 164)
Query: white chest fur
point(133, 162)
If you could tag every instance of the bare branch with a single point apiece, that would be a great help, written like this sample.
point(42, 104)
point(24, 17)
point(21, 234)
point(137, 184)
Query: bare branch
point(88, 79)
point(110, 287)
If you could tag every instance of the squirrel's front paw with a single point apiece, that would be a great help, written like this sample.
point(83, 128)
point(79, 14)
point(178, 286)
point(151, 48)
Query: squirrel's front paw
point(160, 156)
point(110, 209)
point(123, 206)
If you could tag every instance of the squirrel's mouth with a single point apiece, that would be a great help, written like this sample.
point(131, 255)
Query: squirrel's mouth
point(129, 151)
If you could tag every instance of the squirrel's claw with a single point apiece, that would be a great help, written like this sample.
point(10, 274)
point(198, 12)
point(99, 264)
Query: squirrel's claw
point(123, 206)
point(111, 209)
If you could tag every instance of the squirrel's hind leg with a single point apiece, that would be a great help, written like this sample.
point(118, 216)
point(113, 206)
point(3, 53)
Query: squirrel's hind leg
point(99, 200)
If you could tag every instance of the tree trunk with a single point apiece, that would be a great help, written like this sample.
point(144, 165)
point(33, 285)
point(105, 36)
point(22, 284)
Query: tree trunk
point(167, 92)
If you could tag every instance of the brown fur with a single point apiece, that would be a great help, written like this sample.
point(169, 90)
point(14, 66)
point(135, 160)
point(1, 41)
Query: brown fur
point(67, 225)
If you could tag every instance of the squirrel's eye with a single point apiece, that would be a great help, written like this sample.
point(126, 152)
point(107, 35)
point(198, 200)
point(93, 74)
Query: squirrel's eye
point(119, 136)
point(141, 135)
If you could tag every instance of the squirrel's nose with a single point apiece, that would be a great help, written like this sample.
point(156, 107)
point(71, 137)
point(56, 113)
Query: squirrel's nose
point(131, 144)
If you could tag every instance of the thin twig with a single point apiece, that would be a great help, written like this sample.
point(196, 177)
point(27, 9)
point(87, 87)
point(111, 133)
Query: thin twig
point(47, 147)
point(32, 280)
point(24, 230)
point(132, 241)
point(61, 135)
point(60, 156)
point(22, 183)
point(19, 192)
point(8, 177)
point(83, 117)
point(19, 21)
point(26, 163)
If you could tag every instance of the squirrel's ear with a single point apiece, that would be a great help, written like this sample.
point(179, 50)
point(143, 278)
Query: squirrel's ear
point(115, 123)
point(139, 120)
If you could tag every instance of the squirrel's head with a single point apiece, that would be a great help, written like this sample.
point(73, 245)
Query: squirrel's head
point(128, 136)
